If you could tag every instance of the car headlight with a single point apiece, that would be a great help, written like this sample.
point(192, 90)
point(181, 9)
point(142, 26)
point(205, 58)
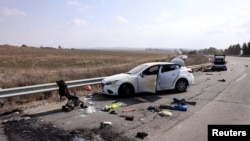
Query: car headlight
point(111, 82)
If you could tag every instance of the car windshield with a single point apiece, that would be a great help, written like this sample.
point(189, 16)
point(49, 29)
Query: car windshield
point(137, 69)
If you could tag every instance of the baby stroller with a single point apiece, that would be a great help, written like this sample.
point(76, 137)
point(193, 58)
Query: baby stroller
point(73, 101)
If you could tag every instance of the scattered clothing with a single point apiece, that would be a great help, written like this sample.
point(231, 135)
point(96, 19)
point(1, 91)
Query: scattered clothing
point(183, 101)
point(154, 109)
point(162, 106)
point(178, 107)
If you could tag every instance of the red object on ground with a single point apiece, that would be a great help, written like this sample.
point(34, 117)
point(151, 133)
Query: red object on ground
point(128, 110)
point(87, 88)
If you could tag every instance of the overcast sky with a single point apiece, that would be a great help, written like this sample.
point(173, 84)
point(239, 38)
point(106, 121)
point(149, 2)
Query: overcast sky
point(194, 24)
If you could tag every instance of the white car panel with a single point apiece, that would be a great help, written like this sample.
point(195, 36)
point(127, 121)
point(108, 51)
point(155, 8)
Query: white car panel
point(112, 83)
point(168, 75)
point(148, 77)
point(147, 83)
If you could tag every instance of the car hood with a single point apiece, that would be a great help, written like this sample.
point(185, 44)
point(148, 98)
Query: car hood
point(115, 77)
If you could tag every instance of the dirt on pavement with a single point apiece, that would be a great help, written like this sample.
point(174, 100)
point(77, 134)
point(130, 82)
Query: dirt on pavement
point(20, 127)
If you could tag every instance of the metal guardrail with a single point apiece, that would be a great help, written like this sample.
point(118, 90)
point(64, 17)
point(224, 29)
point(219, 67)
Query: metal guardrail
point(53, 86)
point(46, 87)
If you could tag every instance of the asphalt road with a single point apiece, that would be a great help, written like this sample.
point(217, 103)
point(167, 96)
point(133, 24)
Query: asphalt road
point(217, 102)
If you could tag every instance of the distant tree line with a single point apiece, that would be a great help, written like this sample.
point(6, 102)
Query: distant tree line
point(233, 50)
point(236, 49)
point(211, 50)
point(246, 48)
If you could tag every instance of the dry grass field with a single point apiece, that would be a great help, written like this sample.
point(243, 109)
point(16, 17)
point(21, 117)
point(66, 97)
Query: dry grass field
point(24, 66)
point(28, 66)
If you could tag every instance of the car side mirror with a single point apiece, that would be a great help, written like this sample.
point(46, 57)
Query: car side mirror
point(142, 75)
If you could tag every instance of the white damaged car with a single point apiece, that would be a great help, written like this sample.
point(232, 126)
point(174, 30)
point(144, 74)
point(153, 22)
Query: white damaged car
point(149, 77)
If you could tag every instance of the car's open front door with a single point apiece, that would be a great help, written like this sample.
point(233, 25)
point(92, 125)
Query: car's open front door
point(147, 79)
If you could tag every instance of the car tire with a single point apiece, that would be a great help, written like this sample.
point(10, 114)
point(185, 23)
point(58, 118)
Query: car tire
point(126, 90)
point(181, 85)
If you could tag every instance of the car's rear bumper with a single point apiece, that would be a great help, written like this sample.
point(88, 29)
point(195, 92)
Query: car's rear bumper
point(219, 67)
point(191, 79)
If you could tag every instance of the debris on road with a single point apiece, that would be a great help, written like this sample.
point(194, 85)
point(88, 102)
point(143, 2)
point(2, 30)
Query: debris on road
point(128, 110)
point(88, 96)
point(128, 117)
point(113, 106)
point(14, 116)
point(165, 113)
point(105, 123)
point(105, 109)
point(222, 80)
point(178, 107)
point(87, 88)
point(73, 101)
point(90, 110)
point(183, 101)
point(113, 112)
point(141, 135)
point(154, 109)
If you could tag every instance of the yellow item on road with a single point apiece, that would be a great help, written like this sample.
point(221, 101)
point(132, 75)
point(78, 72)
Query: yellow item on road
point(113, 106)
point(165, 113)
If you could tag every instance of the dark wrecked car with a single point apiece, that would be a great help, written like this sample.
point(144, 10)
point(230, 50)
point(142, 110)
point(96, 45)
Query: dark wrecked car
point(219, 63)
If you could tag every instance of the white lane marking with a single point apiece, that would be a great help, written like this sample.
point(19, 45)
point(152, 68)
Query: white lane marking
point(244, 75)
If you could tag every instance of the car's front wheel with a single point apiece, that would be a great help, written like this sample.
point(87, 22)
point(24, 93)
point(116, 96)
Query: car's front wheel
point(181, 85)
point(126, 90)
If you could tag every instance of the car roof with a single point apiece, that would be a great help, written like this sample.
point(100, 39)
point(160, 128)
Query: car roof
point(157, 63)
